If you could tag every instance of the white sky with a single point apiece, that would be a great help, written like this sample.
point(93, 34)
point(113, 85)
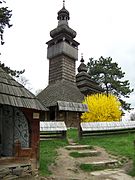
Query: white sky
point(104, 28)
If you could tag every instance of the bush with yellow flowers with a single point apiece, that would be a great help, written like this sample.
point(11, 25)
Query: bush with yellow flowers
point(102, 108)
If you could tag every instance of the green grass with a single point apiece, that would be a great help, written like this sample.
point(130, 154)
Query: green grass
point(121, 144)
point(132, 172)
point(48, 154)
point(90, 167)
point(72, 133)
point(76, 154)
point(116, 144)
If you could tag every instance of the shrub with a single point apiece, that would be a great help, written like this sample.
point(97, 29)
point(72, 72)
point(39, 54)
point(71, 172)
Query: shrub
point(102, 108)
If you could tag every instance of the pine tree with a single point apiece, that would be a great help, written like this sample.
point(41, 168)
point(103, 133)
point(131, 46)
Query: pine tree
point(110, 78)
point(5, 17)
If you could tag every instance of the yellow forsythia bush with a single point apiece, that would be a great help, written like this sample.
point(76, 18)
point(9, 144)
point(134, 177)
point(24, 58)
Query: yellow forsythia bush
point(102, 108)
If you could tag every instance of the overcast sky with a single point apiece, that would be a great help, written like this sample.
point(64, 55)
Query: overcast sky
point(104, 28)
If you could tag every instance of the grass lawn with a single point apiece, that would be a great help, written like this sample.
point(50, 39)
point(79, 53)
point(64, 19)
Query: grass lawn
point(90, 167)
point(48, 154)
point(116, 144)
point(121, 144)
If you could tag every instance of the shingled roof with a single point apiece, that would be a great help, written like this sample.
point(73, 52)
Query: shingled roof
point(14, 94)
point(84, 81)
point(60, 91)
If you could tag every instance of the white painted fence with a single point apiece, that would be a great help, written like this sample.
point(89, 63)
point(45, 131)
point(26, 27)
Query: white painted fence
point(52, 129)
point(104, 128)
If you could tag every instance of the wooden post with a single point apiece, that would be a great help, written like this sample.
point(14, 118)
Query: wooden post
point(1, 125)
point(79, 125)
point(17, 148)
point(55, 109)
point(67, 119)
point(64, 134)
point(134, 147)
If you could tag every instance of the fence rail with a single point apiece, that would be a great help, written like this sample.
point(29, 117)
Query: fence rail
point(52, 129)
point(104, 128)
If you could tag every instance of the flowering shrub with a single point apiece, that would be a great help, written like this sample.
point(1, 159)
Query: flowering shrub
point(102, 108)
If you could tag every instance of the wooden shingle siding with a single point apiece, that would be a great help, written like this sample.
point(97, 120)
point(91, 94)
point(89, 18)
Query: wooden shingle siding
point(71, 106)
point(14, 94)
point(60, 91)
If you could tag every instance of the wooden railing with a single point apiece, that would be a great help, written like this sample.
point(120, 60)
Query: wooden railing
point(104, 128)
point(52, 129)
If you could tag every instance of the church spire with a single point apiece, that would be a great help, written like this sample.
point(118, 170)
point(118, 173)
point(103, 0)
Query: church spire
point(63, 3)
point(63, 27)
point(82, 67)
point(62, 49)
point(63, 15)
point(82, 60)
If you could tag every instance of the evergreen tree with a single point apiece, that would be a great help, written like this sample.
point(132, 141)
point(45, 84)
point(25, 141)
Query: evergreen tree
point(5, 16)
point(110, 77)
point(10, 71)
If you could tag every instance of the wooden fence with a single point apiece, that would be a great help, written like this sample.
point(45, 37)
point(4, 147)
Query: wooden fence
point(52, 129)
point(104, 128)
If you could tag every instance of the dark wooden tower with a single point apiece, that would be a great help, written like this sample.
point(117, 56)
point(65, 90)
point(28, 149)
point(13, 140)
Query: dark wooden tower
point(62, 50)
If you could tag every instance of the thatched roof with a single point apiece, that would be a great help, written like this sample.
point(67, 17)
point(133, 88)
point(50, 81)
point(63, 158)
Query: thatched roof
point(60, 91)
point(14, 94)
point(71, 106)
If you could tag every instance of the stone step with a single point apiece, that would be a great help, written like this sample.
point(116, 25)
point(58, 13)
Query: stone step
point(78, 147)
point(4, 172)
point(105, 164)
point(10, 177)
point(109, 174)
point(89, 153)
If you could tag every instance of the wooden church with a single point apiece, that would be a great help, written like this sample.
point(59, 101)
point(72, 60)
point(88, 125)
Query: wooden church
point(64, 95)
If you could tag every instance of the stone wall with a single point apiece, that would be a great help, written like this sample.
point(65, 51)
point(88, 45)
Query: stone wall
point(17, 171)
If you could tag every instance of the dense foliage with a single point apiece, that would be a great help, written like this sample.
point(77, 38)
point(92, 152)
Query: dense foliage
point(5, 17)
point(110, 78)
point(8, 70)
point(102, 108)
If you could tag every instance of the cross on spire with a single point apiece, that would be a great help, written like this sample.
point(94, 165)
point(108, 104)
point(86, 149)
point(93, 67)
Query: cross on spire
point(63, 3)
point(82, 60)
point(82, 55)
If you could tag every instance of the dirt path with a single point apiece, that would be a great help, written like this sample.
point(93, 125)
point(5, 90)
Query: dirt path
point(67, 167)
